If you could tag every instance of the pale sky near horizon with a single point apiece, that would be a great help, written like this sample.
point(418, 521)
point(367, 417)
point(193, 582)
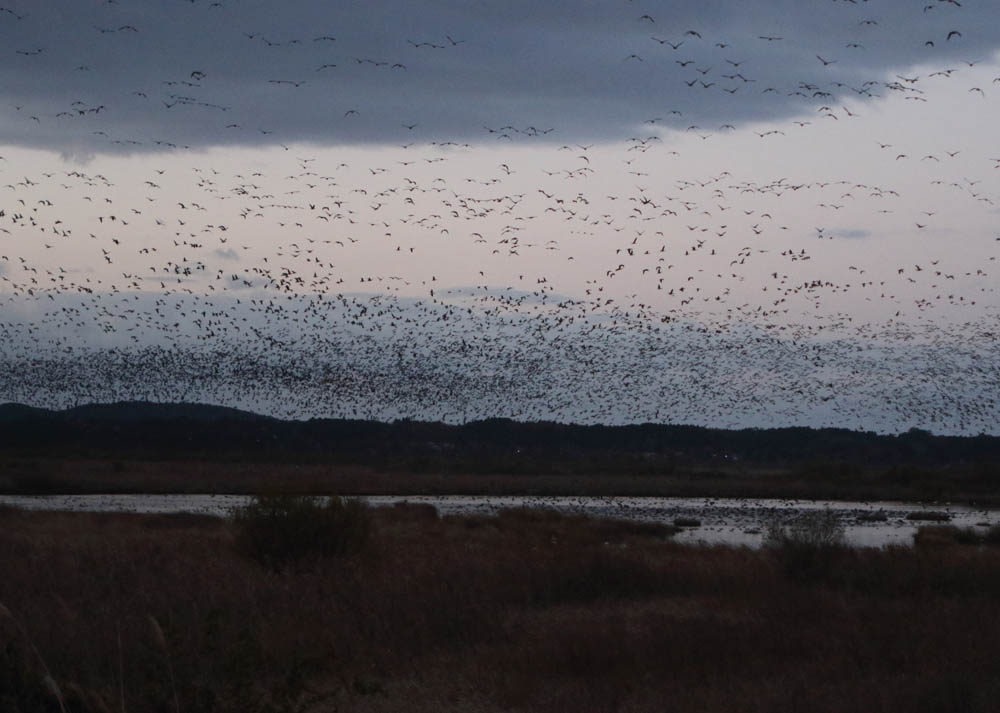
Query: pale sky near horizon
point(698, 173)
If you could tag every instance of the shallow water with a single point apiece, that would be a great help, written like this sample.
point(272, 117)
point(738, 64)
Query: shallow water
point(731, 521)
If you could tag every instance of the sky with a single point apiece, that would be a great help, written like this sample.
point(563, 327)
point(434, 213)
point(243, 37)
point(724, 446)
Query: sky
point(723, 213)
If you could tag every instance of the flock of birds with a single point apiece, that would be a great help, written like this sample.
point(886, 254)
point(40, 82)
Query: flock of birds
point(504, 273)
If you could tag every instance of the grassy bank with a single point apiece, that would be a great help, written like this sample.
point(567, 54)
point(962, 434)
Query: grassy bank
point(34, 474)
point(527, 612)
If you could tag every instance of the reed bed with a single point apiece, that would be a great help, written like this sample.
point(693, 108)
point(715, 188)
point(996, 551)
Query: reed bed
point(528, 611)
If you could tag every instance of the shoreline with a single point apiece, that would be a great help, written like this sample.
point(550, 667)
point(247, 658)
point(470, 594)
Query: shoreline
point(697, 520)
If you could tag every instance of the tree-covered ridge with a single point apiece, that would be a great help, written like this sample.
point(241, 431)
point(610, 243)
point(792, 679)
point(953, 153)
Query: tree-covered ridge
point(204, 431)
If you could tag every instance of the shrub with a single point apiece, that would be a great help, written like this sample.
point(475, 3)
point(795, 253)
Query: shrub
point(950, 534)
point(967, 536)
point(812, 529)
point(283, 530)
point(876, 516)
point(417, 512)
point(929, 516)
point(686, 522)
point(939, 535)
point(806, 545)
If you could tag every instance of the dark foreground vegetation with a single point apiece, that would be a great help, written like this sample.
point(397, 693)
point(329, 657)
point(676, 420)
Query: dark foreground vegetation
point(162, 448)
point(529, 611)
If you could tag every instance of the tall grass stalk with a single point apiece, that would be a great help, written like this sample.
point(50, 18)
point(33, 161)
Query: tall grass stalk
point(121, 665)
point(161, 641)
point(48, 681)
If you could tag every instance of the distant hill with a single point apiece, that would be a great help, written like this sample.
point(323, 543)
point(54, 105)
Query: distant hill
point(205, 432)
point(16, 412)
point(135, 411)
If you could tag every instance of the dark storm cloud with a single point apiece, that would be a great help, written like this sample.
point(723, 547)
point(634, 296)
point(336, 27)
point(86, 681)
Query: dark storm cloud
point(129, 76)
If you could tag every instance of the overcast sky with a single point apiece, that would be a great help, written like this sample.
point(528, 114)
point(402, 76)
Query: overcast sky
point(183, 71)
point(822, 168)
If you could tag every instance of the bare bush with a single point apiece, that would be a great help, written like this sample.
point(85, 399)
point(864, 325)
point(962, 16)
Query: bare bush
point(807, 544)
point(283, 530)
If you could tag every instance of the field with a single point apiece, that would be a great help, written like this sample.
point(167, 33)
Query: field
point(530, 611)
point(39, 474)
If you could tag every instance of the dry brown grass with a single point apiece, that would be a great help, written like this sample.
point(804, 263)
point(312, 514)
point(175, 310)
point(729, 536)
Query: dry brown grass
point(39, 473)
point(526, 612)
